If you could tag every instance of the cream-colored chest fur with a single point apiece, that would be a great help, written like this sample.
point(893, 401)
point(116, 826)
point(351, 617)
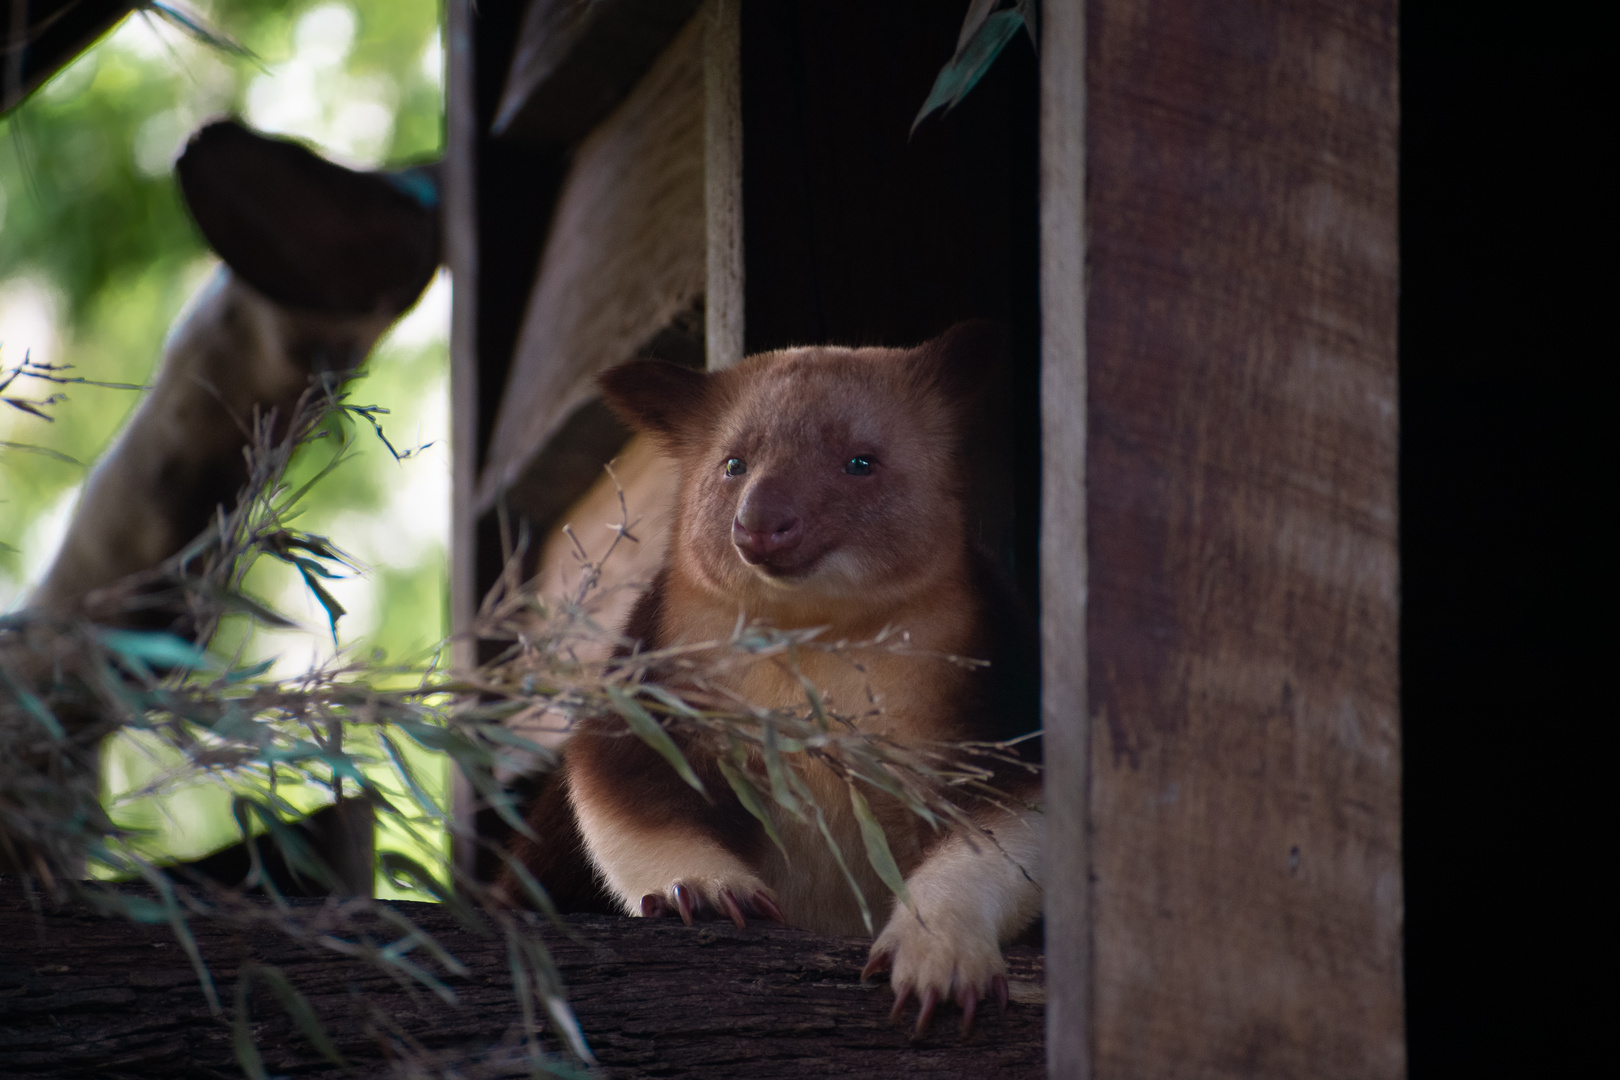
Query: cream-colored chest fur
point(908, 696)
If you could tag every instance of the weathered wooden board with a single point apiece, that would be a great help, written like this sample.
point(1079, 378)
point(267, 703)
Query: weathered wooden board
point(1243, 577)
point(86, 996)
point(625, 256)
point(574, 62)
point(1065, 717)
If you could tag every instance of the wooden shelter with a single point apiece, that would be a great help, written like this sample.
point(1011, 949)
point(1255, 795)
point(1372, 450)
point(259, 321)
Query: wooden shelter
point(1186, 217)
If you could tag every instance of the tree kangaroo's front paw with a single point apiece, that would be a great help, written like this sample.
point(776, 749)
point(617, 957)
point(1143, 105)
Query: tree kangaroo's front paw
point(712, 899)
point(944, 961)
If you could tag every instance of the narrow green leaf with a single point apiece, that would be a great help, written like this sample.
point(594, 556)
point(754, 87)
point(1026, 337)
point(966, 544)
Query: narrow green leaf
point(652, 733)
point(562, 1017)
point(534, 891)
point(407, 775)
point(204, 33)
point(818, 708)
point(415, 935)
point(236, 601)
point(43, 451)
point(420, 974)
point(522, 988)
point(139, 909)
point(804, 792)
point(403, 870)
point(295, 849)
point(182, 933)
point(298, 1008)
point(157, 648)
point(967, 67)
point(672, 701)
point(507, 737)
point(241, 675)
point(35, 707)
point(877, 847)
point(247, 1054)
point(334, 610)
point(748, 795)
point(433, 736)
point(776, 771)
point(547, 982)
point(30, 407)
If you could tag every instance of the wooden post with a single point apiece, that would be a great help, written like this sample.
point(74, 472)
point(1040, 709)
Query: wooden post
point(1064, 714)
point(723, 181)
point(461, 230)
point(1240, 501)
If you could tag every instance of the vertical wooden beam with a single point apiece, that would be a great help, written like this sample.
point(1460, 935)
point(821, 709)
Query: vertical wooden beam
point(723, 180)
point(1243, 593)
point(1064, 714)
point(461, 255)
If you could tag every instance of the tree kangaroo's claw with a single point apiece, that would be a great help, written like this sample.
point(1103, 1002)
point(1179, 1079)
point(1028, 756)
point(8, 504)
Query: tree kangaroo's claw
point(930, 998)
point(684, 901)
point(902, 994)
point(879, 961)
point(999, 984)
point(767, 907)
point(696, 898)
point(729, 903)
point(970, 1005)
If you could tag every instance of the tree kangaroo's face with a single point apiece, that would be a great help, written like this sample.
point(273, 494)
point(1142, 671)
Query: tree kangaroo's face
point(827, 472)
point(811, 475)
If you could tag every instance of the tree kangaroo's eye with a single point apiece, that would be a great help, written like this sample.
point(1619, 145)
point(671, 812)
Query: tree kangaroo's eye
point(736, 466)
point(859, 465)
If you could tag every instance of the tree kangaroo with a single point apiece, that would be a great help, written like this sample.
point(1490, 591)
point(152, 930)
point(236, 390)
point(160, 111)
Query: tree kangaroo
point(821, 487)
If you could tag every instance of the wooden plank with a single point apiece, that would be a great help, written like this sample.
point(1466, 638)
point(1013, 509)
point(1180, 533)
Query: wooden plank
point(461, 255)
point(1243, 576)
point(575, 61)
point(722, 180)
point(624, 259)
point(1065, 717)
point(498, 199)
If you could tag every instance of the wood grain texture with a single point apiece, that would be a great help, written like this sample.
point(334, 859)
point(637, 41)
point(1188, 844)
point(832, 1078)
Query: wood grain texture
point(86, 996)
point(1243, 592)
point(625, 255)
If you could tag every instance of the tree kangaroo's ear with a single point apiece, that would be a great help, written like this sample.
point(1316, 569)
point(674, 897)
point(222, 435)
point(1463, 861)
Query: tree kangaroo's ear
point(965, 360)
point(307, 233)
point(661, 399)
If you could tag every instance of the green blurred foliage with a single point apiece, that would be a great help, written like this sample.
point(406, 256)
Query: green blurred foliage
point(97, 258)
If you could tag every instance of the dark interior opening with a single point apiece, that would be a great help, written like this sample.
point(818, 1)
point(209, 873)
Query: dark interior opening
point(1500, 436)
point(856, 233)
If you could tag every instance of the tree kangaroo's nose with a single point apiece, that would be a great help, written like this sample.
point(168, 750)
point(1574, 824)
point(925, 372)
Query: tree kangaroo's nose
point(767, 523)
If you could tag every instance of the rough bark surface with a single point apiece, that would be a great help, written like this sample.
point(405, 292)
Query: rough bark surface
point(84, 995)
